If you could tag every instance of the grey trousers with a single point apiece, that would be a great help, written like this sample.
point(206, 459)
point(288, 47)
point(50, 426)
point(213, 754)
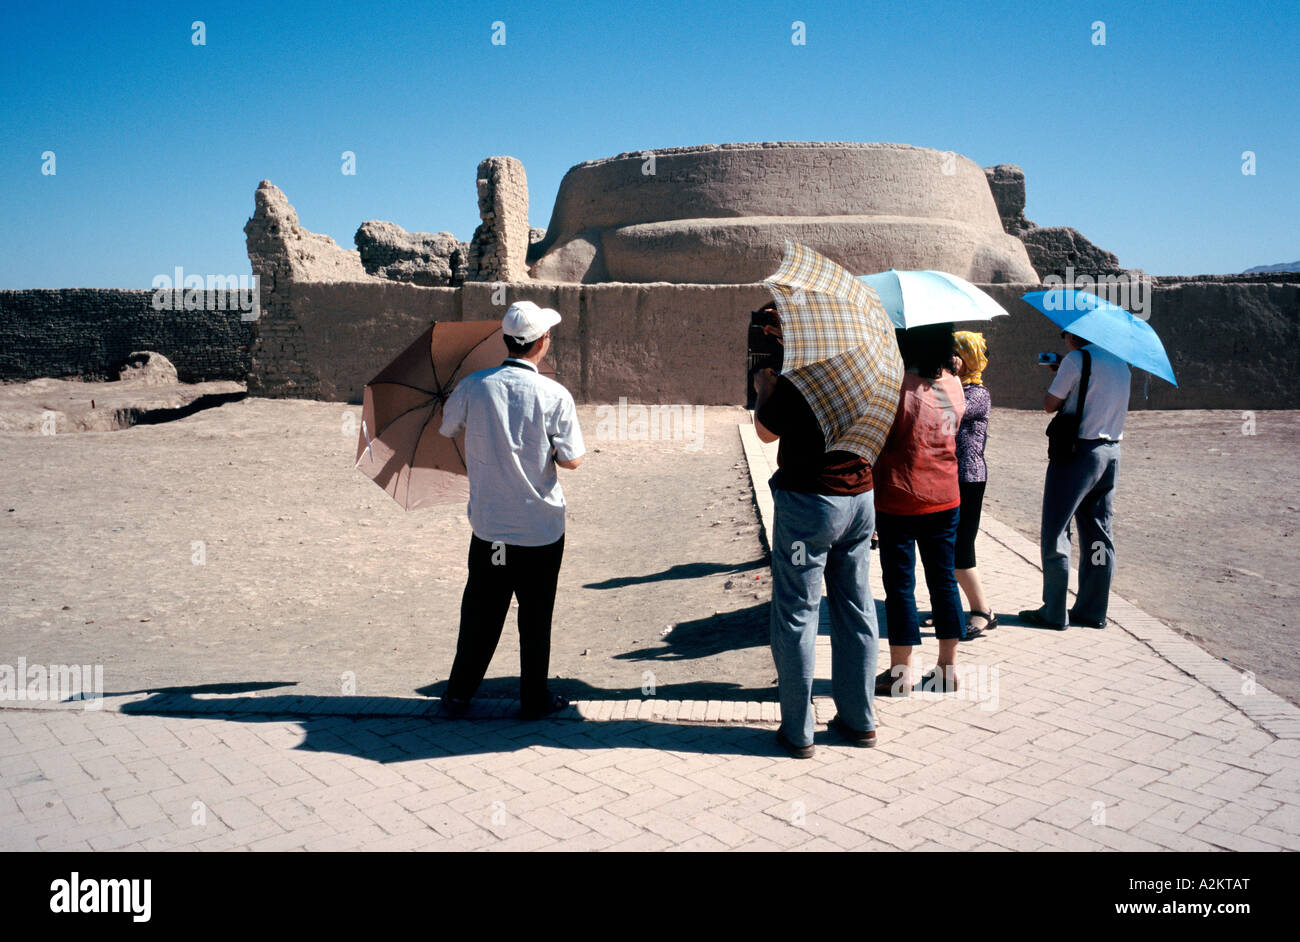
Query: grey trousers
point(1082, 489)
point(816, 535)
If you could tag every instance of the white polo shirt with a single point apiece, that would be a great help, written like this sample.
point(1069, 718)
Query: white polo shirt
point(516, 423)
point(1106, 407)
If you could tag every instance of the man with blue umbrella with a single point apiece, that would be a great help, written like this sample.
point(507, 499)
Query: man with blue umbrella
point(1091, 391)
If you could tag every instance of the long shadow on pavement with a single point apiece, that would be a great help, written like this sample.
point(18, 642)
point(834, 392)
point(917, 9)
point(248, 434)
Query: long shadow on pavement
point(422, 738)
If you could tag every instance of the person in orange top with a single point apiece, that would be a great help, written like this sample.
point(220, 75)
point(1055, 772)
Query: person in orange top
point(917, 506)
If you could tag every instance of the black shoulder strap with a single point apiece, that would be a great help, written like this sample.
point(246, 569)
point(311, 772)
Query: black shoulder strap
point(1083, 384)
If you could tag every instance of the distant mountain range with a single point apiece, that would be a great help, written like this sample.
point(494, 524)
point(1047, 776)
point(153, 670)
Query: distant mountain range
point(1265, 269)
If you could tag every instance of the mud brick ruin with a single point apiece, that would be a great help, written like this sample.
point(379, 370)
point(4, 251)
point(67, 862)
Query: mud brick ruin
point(655, 259)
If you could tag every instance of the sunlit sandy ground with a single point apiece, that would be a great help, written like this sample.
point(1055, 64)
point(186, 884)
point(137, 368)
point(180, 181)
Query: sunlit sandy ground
point(239, 545)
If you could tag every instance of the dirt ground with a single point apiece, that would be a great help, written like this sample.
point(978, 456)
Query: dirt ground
point(308, 574)
point(238, 546)
point(55, 406)
point(1207, 525)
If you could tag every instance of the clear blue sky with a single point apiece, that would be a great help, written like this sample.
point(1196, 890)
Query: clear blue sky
point(160, 144)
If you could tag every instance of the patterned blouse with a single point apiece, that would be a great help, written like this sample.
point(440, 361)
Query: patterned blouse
point(972, 434)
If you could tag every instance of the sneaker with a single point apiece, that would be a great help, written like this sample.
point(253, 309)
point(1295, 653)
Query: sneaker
point(863, 739)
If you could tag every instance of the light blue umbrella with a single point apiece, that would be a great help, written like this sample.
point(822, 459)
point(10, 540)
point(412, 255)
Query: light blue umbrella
point(1109, 326)
point(914, 298)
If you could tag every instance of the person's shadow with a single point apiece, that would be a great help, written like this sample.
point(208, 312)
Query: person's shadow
point(680, 571)
point(404, 729)
point(401, 729)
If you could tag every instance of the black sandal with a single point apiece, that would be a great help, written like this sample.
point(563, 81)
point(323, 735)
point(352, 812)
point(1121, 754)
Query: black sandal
point(939, 680)
point(888, 684)
point(990, 620)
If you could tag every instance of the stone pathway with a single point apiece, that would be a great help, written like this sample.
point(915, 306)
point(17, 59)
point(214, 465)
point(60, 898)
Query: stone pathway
point(1130, 738)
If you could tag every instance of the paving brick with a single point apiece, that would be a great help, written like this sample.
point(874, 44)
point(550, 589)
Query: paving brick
point(1000, 836)
point(877, 827)
point(139, 810)
point(1169, 839)
point(237, 812)
point(347, 840)
point(1116, 839)
point(446, 821)
point(615, 827)
point(1230, 841)
point(532, 839)
point(394, 819)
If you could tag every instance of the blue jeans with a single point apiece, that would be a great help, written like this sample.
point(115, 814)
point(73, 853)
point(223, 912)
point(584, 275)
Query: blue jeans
point(935, 536)
point(815, 535)
point(1083, 488)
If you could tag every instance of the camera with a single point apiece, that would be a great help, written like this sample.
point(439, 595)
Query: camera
point(1049, 359)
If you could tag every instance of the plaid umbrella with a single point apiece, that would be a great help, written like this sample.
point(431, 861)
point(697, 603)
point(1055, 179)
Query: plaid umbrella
point(840, 350)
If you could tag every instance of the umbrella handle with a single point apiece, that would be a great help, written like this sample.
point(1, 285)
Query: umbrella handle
point(367, 437)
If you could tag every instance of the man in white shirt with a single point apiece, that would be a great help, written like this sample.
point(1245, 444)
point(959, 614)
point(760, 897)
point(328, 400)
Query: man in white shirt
point(1082, 488)
point(519, 425)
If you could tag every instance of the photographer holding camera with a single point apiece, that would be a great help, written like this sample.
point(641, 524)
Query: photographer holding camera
point(1090, 394)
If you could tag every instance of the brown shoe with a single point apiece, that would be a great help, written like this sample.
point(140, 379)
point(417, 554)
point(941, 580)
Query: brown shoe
point(863, 739)
point(793, 751)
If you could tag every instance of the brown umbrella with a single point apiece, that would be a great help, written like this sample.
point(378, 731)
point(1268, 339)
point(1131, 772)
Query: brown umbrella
point(399, 447)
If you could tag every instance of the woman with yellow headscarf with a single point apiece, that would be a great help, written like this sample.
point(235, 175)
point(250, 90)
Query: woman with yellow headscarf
point(972, 473)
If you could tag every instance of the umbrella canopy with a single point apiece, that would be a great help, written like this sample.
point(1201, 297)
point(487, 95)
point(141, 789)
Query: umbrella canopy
point(1107, 325)
point(840, 351)
point(399, 447)
point(915, 298)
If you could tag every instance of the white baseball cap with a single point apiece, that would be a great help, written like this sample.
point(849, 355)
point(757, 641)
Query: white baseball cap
point(525, 321)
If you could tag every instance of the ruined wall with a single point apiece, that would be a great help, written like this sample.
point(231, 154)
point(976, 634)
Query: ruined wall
point(651, 343)
point(89, 332)
point(284, 254)
point(499, 248)
point(1233, 345)
point(349, 331)
point(1053, 250)
point(1007, 184)
point(327, 326)
point(432, 259)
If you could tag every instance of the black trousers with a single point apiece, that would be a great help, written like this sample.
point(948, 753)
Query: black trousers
point(968, 525)
point(498, 572)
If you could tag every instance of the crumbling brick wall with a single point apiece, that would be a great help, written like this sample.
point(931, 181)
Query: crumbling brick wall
point(281, 252)
point(499, 249)
point(89, 332)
